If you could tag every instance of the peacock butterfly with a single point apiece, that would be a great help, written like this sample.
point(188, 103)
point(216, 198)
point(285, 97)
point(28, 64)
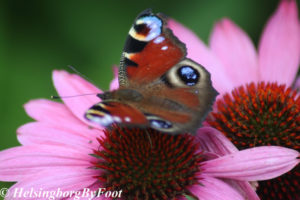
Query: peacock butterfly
point(159, 87)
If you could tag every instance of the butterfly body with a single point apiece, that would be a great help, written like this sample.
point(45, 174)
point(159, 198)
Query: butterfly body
point(159, 87)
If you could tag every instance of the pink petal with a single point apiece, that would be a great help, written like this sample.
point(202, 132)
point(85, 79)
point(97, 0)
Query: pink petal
point(259, 163)
point(244, 188)
point(114, 84)
point(212, 140)
point(73, 179)
point(50, 112)
point(199, 52)
point(43, 133)
point(212, 188)
point(235, 51)
point(71, 84)
point(19, 162)
point(279, 48)
point(196, 49)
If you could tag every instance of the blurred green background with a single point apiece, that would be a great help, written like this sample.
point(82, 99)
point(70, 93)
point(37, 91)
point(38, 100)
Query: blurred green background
point(39, 36)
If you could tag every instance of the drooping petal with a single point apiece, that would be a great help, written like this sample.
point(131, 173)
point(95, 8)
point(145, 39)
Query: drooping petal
point(19, 162)
point(279, 48)
point(59, 180)
point(114, 84)
point(199, 52)
point(212, 140)
point(254, 164)
point(235, 51)
point(71, 84)
point(212, 188)
point(44, 133)
point(51, 112)
point(244, 188)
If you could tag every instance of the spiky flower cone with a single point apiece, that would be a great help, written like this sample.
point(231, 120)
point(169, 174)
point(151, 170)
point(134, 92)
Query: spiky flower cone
point(147, 164)
point(263, 114)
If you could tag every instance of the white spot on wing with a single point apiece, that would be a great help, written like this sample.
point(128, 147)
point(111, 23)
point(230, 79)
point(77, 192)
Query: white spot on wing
point(117, 119)
point(159, 40)
point(104, 121)
point(164, 48)
point(127, 119)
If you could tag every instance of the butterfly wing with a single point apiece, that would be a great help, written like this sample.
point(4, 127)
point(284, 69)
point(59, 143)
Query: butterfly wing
point(179, 100)
point(159, 87)
point(107, 112)
point(150, 50)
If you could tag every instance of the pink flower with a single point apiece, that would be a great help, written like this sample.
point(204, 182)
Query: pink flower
point(55, 152)
point(231, 57)
point(257, 105)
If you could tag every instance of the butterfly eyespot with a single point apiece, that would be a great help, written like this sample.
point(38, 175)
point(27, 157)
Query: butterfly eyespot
point(146, 28)
point(159, 123)
point(188, 75)
point(141, 29)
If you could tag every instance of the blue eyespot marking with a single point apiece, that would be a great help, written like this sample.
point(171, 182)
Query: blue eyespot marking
point(188, 75)
point(149, 26)
point(160, 124)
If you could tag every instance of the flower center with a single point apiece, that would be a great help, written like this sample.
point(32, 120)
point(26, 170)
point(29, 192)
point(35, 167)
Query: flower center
point(147, 164)
point(263, 114)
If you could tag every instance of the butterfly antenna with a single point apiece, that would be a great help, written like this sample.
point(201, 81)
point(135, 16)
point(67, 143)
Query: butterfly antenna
point(78, 95)
point(80, 74)
point(150, 141)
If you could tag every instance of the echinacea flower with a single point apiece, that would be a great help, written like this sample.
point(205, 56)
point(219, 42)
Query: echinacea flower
point(263, 107)
point(61, 152)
